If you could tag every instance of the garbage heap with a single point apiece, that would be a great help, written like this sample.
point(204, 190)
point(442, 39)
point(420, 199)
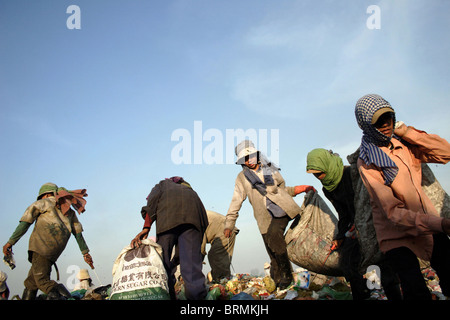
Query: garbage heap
point(306, 286)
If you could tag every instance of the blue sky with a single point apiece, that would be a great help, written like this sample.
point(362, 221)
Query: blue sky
point(96, 107)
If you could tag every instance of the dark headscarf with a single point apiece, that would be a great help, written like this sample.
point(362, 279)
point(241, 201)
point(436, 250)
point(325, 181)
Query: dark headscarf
point(372, 138)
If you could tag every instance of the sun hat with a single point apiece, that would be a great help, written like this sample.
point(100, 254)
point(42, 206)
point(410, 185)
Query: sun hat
point(380, 112)
point(83, 274)
point(244, 149)
point(47, 188)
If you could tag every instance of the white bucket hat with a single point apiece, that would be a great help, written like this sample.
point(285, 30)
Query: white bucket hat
point(244, 149)
point(83, 274)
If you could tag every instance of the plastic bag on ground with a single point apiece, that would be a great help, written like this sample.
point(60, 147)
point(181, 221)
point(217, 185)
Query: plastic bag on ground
point(332, 294)
point(213, 294)
point(139, 274)
point(242, 296)
point(302, 279)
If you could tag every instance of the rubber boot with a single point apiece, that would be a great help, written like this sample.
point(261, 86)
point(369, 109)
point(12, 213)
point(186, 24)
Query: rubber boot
point(59, 292)
point(29, 294)
point(285, 270)
point(285, 280)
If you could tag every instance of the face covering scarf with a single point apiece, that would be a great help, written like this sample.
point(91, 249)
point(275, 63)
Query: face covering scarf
point(328, 162)
point(268, 169)
point(372, 138)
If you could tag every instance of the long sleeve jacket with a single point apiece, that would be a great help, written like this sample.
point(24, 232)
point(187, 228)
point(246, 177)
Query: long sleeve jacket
point(52, 229)
point(342, 199)
point(402, 214)
point(278, 193)
point(171, 204)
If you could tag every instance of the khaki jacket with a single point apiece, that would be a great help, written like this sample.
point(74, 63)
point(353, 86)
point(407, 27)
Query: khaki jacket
point(52, 229)
point(215, 230)
point(279, 194)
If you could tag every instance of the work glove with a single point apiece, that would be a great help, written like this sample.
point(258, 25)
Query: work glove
point(88, 259)
point(227, 233)
point(7, 249)
point(303, 188)
point(351, 233)
point(336, 244)
point(400, 128)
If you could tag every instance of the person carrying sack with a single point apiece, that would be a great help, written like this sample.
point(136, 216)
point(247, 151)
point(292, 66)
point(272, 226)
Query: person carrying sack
point(406, 222)
point(273, 206)
point(54, 222)
point(336, 180)
point(181, 220)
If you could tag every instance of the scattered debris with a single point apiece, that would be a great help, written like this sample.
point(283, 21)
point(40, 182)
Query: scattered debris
point(306, 286)
point(248, 287)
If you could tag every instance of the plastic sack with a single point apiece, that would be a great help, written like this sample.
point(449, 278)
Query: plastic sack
point(78, 294)
point(309, 238)
point(9, 261)
point(435, 192)
point(139, 274)
point(327, 293)
point(213, 294)
point(367, 238)
point(242, 296)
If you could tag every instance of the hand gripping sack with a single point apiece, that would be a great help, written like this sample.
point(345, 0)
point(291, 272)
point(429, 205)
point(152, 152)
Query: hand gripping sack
point(309, 238)
point(139, 274)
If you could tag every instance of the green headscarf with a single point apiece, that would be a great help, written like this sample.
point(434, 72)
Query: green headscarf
point(326, 161)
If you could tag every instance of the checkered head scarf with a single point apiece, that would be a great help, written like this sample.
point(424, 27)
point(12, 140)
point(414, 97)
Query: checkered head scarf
point(372, 138)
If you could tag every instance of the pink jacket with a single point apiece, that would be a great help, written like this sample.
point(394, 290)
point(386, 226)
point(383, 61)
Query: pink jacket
point(402, 214)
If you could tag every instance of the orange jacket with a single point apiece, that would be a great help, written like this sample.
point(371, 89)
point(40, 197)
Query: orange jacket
point(402, 214)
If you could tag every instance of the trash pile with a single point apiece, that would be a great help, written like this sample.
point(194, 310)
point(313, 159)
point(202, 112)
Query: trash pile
point(432, 282)
point(99, 293)
point(306, 286)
